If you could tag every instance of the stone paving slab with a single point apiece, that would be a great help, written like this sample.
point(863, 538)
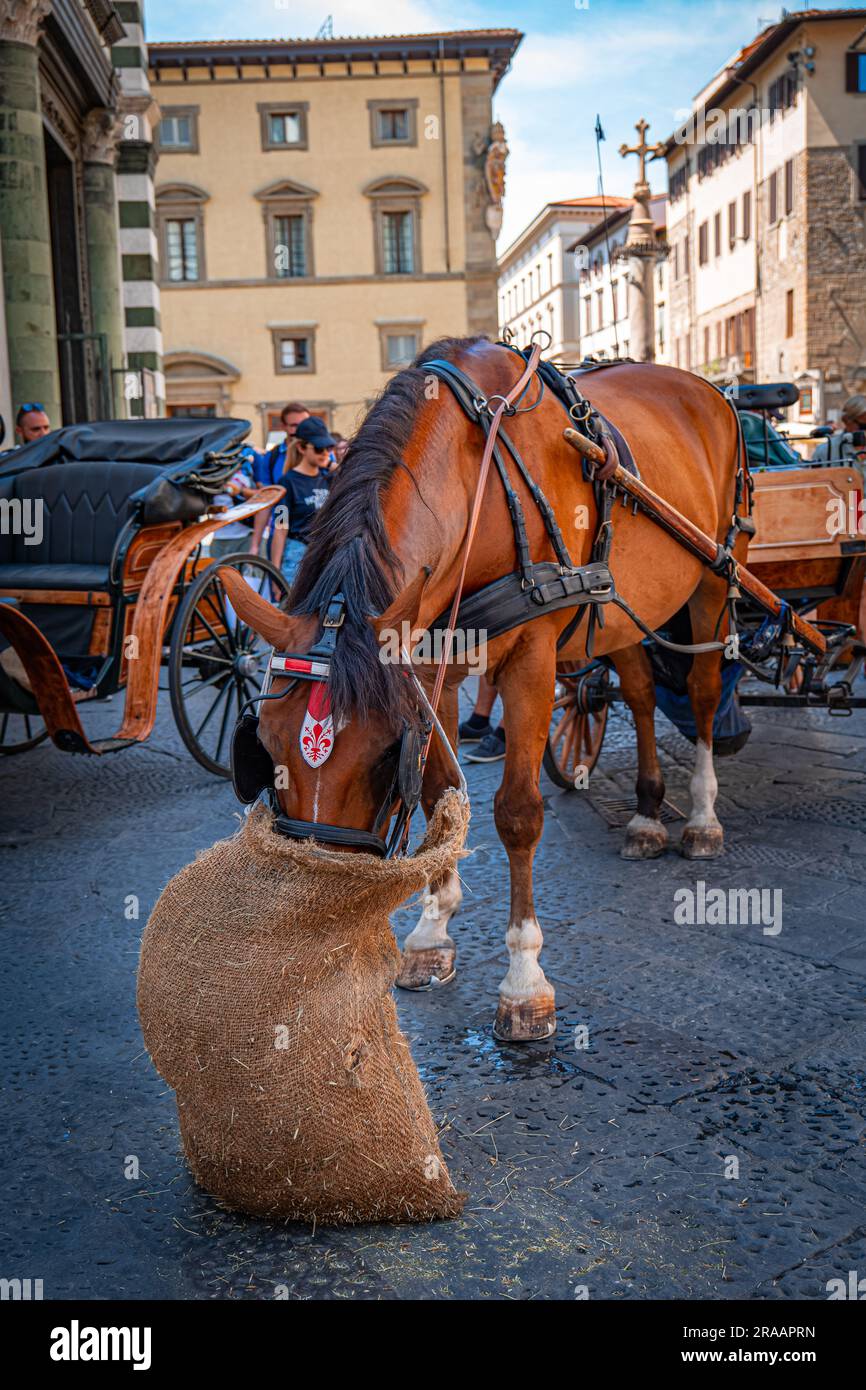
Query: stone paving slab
point(592, 1170)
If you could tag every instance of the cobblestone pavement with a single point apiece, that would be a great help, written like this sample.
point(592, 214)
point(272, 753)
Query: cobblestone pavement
point(598, 1169)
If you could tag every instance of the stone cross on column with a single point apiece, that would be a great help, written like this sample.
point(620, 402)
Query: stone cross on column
point(642, 149)
point(639, 252)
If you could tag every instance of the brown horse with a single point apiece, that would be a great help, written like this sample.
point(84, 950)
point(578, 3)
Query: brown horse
point(391, 539)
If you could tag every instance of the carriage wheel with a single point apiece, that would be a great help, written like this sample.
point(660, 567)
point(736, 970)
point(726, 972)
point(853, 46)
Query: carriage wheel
point(216, 662)
point(20, 732)
point(577, 726)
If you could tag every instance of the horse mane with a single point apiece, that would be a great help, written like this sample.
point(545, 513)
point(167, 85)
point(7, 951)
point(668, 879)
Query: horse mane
point(349, 551)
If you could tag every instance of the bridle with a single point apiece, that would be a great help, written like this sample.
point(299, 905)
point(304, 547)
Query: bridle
point(253, 771)
point(254, 774)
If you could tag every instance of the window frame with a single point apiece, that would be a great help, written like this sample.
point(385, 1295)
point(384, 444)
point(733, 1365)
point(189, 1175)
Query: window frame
point(773, 198)
point(280, 332)
point(266, 109)
point(403, 328)
point(180, 202)
point(789, 191)
point(173, 113)
point(287, 199)
point(396, 193)
point(858, 181)
point(376, 105)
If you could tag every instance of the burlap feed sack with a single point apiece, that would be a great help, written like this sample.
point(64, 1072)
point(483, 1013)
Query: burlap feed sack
point(264, 991)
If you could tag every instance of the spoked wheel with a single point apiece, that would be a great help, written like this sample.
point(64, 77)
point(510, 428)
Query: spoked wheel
point(216, 662)
point(577, 725)
point(20, 732)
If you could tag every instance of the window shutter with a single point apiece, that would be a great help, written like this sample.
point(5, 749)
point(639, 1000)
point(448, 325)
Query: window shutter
point(852, 72)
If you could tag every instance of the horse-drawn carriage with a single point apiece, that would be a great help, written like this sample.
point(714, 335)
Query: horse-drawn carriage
point(809, 547)
point(104, 580)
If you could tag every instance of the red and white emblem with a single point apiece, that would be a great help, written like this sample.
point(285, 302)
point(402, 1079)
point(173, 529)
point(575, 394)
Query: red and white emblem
point(317, 730)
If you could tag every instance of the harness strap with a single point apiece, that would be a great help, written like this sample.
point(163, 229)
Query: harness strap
point(505, 403)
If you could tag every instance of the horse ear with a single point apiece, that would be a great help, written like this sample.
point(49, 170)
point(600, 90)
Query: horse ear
point(255, 611)
point(404, 609)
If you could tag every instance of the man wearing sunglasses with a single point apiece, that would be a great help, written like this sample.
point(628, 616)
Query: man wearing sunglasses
point(31, 422)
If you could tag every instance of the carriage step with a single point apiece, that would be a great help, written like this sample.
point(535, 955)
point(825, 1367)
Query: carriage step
point(618, 810)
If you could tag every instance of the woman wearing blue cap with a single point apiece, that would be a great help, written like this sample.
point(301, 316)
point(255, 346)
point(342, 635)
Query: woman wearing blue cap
point(306, 481)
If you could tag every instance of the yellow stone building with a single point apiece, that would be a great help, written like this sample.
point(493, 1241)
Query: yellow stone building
point(323, 208)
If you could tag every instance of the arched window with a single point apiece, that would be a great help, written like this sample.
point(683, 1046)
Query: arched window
point(287, 209)
point(180, 233)
point(396, 206)
point(198, 383)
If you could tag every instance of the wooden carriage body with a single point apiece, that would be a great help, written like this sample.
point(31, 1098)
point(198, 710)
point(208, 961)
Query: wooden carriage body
point(810, 537)
point(124, 508)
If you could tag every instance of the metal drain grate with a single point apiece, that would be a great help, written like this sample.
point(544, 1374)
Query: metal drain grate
point(618, 810)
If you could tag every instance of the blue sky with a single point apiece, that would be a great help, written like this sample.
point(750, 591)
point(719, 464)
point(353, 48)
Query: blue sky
point(622, 58)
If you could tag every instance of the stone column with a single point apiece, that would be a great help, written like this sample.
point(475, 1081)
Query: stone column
point(28, 285)
point(99, 152)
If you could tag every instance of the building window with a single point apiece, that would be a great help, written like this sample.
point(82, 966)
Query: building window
point(789, 314)
point(399, 344)
point(178, 130)
point(290, 250)
point(393, 122)
point(806, 401)
point(855, 72)
point(678, 181)
point(717, 234)
point(599, 306)
point(706, 343)
point(732, 225)
point(719, 338)
point(587, 314)
point(789, 187)
point(287, 211)
point(396, 207)
point(180, 233)
point(181, 245)
point(860, 174)
point(614, 294)
point(774, 198)
point(294, 349)
point(398, 243)
point(782, 93)
point(747, 216)
point(284, 125)
point(676, 260)
point(273, 425)
point(703, 243)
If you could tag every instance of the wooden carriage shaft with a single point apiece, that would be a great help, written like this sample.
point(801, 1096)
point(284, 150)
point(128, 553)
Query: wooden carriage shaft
point(694, 539)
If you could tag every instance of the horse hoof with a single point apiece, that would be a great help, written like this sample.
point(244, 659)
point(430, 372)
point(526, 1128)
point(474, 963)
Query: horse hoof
point(644, 839)
point(527, 1020)
point(427, 969)
point(702, 842)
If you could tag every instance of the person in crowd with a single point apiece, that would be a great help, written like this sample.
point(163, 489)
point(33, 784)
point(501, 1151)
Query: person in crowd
point(31, 422)
point(837, 447)
point(338, 452)
point(306, 480)
point(238, 535)
point(271, 465)
point(478, 729)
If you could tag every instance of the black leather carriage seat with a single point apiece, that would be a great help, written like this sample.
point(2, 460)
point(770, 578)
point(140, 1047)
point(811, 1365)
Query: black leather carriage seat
point(84, 507)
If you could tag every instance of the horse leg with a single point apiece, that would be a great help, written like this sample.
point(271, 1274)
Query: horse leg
point(428, 951)
point(527, 1008)
point(703, 837)
point(645, 835)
